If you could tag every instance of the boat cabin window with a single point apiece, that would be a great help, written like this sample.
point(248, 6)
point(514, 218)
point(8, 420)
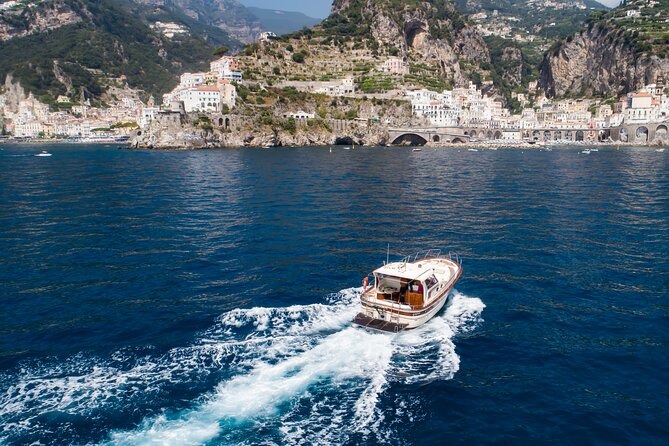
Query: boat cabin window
point(431, 281)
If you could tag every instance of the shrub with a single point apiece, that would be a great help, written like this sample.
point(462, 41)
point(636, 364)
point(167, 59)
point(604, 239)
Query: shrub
point(298, 57)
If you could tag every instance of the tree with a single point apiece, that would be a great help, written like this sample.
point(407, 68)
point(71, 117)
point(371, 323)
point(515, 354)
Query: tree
point(298, 57)
point(221, 50)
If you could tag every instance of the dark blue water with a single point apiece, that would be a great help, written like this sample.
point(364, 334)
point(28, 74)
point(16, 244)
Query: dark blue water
point(204, 297)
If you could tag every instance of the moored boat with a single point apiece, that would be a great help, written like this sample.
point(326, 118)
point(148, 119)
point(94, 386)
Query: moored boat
point(408, 293)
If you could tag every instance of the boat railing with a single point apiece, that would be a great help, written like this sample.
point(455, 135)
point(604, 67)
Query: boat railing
point(431, 254)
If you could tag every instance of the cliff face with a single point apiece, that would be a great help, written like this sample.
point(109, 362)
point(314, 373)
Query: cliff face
point(43, 17)
point(432, 30)
point(598, 62)
point(228, 15)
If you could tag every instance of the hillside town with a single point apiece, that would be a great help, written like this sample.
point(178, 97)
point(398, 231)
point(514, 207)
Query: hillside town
point(215, 92)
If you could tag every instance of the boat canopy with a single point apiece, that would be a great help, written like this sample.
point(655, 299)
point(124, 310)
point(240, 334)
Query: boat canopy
point(409, 271)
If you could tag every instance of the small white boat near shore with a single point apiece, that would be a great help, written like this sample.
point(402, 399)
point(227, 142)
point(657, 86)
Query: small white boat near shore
point(416, 149)
point(587, 152)
point(408, 293)
point(472, 150)
point(43, 153)
point(660, 150)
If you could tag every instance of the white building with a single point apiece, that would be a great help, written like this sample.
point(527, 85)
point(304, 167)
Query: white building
point(395, 66)
point(201, 99)
point(338, 88)
point(192, 80)
point(640, 109)
point(147, 115)
point(266, 36)
point(226, 68)
point(300, 115)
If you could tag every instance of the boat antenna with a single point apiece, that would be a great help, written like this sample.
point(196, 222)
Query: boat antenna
point(388, 254)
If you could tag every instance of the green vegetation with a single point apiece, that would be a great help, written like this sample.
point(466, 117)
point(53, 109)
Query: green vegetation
point(112, 40)
point(375, 84)
point(298, 57)
point(646, 33)
point(221, 51)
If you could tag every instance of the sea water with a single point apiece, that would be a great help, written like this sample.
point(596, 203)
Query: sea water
point(205, 297)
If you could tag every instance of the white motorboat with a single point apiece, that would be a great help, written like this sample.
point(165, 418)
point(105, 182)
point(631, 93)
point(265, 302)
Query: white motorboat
point(660, 150)
point(594, 150)
point(408, 293)
point(43, 153)
point(587, 152)
point(416, 149)
point(472, 150)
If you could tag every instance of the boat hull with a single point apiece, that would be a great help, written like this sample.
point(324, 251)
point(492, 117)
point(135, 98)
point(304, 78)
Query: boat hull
point(384, 319)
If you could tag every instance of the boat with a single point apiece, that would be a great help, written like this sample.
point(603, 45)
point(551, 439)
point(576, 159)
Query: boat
point(416, 149)
point(472, 150)
point(43, 153)
point(586, 151)
point(347, 148)
point(408, 293)
point(660, 150)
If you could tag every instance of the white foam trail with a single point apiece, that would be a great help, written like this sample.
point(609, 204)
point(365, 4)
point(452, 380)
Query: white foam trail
point(302, 367)
point(345, 355)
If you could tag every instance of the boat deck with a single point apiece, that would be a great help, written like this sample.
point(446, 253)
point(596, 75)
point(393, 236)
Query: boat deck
point(376, 324)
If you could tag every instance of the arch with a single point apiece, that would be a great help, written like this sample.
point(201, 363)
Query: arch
point(466, 132)
point(139, 133)
point(227, 122)
point(457, 140)
point(436, 138)
point(536, 135)
point(490, 135)
point(557, 135)
point(579, 135)
point(641, 134)
point(498, 135)
point(344, 141)
point(473, 134)
point(624, 134)
point(661, 130)
point(567, 135)
point(547, 135)
point(408, 139)
point(220, 122)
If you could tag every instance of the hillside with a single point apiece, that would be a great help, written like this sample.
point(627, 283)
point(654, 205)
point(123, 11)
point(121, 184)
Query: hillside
point(437, 42)
point(56, 47)
point(227, 15)
point(619, 51)
point(282, 22)
point(545, 20)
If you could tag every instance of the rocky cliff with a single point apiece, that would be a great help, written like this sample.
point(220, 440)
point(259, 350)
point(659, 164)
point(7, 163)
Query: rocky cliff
point(619, 51)
point(228, 15)
point(42, 17)
point(599, 61)
point(434, 31)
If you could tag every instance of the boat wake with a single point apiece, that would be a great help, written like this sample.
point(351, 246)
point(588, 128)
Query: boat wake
point(299, 374)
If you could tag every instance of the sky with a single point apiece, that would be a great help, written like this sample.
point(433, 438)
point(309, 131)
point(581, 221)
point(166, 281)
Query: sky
point(313, 8)
point(321, 8)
